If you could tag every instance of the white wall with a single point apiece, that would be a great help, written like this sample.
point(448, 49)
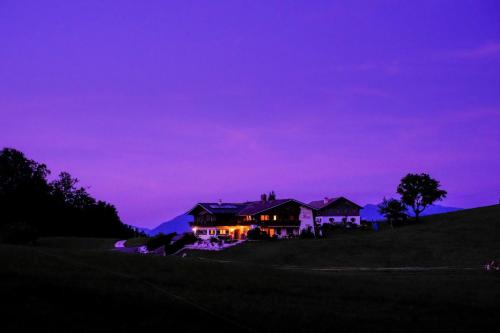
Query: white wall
point(306, 219)
point(207, 236)
point(338, 219)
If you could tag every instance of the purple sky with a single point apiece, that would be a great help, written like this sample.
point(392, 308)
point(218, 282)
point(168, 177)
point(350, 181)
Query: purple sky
point(157, 105)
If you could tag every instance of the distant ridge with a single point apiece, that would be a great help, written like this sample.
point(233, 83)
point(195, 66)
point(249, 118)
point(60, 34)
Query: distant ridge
point(178, 224)
point(370, 211)
point(144, 230)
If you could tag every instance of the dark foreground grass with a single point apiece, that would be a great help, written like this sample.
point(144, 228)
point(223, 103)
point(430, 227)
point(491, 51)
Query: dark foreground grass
point(137, 241)
point(77, 243)
point(70, 290)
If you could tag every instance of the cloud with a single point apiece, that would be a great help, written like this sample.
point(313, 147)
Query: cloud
point(488, 49)
point(390, 68)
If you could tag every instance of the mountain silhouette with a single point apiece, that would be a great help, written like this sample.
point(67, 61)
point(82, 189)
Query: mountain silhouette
point(178, 224)
point(370, 211)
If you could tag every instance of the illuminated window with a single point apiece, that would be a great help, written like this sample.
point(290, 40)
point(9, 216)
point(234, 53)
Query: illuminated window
point(222, 232)
point(248, 218)
point(275, 217)
point(264, 217)
point(211, 232)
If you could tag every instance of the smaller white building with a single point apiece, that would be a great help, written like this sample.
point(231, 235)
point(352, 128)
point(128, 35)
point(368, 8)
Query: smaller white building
point(336, 210)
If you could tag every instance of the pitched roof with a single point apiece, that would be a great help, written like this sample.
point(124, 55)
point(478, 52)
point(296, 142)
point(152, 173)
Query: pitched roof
point(319, 204)
point(219, 208)
point(246, 208)
point(255, 207)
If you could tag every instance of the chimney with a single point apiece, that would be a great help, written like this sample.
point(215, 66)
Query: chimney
point(325, 200)
point(272, 196)
point(263, 197)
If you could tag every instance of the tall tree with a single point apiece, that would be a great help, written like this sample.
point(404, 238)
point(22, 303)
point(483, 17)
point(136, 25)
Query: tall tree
point(65, 189)
point(418, 191)
point(393, 210)
point(24, 191)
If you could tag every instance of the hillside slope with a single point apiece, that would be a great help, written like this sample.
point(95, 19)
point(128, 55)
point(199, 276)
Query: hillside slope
point(463, 238)
point(63, 286)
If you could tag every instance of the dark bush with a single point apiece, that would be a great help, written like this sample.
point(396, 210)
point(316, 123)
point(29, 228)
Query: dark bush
point(257, 234)
point(186, 239)
point(327, 230)
point(307, 234)
point(350, 225)
point(160, 240)
point(225, 238)
point(18, 233)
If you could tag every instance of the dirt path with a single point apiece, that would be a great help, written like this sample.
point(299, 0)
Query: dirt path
point(120, 244)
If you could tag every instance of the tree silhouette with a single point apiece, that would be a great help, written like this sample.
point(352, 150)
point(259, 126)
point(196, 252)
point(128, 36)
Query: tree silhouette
point(419, 191)
point(24, 192)
point(393, 210)
point(29, 203)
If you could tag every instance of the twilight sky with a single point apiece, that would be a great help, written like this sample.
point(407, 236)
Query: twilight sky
point(156, 105)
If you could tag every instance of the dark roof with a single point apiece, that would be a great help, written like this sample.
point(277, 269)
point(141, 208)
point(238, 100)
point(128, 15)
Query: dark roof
point(319, 204)
point(246, 208)
point(220, 208)
point(255, 207)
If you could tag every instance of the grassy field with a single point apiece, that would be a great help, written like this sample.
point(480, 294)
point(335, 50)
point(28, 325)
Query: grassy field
point(137, 241)
point(76, 243)
point(59, 287)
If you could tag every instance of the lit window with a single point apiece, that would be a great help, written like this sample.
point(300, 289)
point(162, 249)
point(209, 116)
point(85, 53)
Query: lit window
point(275, 217)
point(211, 232)
point(248, 218)
point(264, 217)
